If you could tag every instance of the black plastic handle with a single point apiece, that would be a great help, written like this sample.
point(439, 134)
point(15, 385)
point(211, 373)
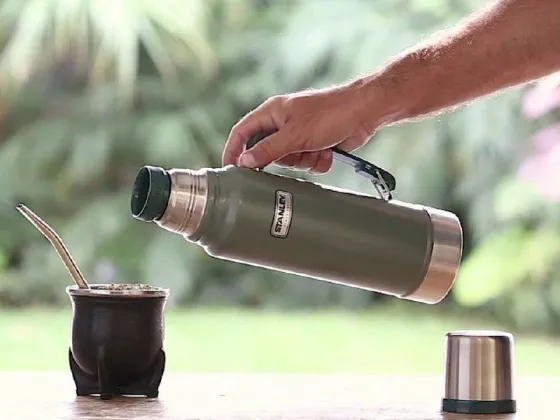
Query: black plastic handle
point(383, 181)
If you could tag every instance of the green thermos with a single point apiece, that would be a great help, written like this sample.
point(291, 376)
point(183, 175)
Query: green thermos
point(309, 229)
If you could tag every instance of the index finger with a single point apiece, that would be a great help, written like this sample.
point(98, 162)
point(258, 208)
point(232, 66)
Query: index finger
point(261, 120)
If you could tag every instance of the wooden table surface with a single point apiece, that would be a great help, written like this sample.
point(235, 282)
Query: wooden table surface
point(50, 396)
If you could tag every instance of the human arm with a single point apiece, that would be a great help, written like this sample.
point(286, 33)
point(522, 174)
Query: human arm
point(504, 44)
point(507, 43)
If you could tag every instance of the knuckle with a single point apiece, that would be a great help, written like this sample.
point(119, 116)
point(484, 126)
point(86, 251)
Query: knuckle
point(316, 159)
point(290, 102)
point(302, 160)
point(275, 101)
point(308, 160)
point(288, 161)
point(324, 163)
point(235, 128)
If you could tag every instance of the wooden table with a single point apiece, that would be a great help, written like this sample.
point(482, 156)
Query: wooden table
point(50, 396)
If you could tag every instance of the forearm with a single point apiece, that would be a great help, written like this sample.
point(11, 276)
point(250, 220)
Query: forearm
point(507, 43)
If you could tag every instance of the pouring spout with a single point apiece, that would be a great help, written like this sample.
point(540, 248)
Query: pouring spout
point(57, 244)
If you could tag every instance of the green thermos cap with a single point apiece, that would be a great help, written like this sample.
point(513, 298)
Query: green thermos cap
point(150, 193)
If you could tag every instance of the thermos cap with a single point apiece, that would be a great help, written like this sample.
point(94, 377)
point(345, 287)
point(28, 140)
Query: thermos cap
point(150, 193)
point(479, 372)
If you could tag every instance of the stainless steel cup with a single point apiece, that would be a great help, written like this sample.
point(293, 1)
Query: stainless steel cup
point(479, 371)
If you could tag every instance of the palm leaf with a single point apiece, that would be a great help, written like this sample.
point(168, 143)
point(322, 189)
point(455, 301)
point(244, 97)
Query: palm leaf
point(105, 37)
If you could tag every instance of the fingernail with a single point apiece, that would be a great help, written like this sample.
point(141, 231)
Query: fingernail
point(248, 160)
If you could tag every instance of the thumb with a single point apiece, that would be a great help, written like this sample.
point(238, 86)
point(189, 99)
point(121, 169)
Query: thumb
point(268, 150)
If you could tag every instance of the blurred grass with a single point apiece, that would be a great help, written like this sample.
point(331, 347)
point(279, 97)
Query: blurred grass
point(384, 341)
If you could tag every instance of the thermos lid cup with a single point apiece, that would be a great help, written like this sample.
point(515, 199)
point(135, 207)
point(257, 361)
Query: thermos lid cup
point(479, 370)
point(150, 194)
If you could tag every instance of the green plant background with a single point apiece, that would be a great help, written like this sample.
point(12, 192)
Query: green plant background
point(92, 90)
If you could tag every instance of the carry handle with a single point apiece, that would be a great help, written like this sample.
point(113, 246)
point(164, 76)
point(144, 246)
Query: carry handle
point(383, 181)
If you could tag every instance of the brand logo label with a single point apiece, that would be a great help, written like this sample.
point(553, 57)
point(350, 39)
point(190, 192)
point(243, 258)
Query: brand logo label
point(283, 210)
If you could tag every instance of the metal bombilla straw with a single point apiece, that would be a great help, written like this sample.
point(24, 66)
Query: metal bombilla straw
point(57, 243)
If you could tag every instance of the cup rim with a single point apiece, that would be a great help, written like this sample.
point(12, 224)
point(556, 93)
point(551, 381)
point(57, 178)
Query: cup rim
point(105, 290)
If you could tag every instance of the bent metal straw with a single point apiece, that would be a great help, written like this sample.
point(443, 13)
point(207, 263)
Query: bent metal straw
point(57, 243)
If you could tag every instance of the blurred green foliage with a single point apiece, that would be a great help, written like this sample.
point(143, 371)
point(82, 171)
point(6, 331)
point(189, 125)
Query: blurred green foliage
point(92, 90)
point(366, 342)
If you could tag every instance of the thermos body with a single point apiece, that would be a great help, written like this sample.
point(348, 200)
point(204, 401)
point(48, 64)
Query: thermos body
point(305, 228)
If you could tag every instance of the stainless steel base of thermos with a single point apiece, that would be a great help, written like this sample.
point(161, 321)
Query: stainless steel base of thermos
point(479, 371)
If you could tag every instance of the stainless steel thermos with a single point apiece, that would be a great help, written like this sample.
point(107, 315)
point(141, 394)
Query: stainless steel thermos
point(305, 228)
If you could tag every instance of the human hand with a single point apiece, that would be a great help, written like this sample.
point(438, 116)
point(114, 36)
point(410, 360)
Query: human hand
point(305, 125)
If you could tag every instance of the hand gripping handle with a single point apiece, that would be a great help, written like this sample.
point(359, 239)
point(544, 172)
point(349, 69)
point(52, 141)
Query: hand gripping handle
point(383, 181)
